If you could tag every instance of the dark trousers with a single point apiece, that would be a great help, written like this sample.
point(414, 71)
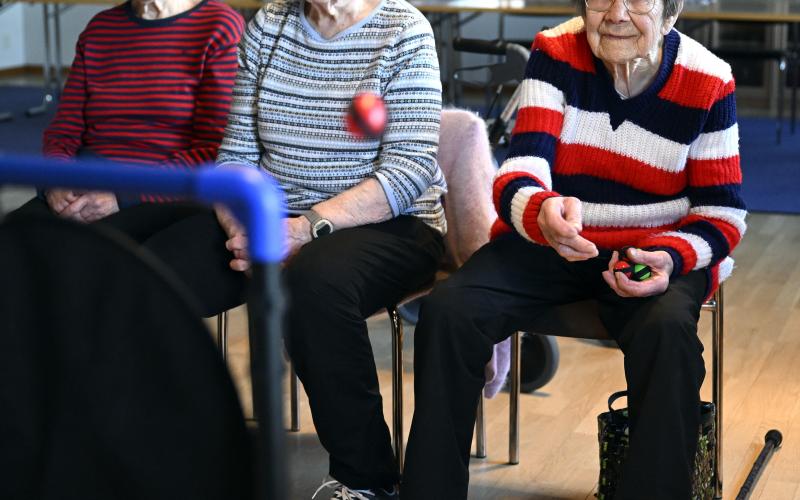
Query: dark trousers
point(502, 289)
point(334, 284)
point(184, 236)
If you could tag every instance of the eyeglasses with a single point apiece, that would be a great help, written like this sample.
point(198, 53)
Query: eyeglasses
point(633, 6)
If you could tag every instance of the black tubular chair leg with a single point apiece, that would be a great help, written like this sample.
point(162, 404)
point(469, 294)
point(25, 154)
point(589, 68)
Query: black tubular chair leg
point(717, 364)
point(795, 83)
point(397, 385)
point(294, 401)
point(782, 71)
point(513, 396)
point(222, 334)
point(480, 429)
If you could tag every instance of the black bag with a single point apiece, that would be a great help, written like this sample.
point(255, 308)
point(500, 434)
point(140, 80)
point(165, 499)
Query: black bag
point(613, 437)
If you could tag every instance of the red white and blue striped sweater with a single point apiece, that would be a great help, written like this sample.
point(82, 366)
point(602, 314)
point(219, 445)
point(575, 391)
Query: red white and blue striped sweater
point(658, 171)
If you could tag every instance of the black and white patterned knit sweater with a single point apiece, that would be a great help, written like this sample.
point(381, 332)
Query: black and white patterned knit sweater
point(293, 89)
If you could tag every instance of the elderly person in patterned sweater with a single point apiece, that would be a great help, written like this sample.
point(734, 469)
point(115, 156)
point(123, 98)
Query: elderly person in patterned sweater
point(626, 136)
point(365, 220)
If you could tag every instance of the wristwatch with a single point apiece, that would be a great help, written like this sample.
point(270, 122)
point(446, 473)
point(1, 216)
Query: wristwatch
point(319, 225)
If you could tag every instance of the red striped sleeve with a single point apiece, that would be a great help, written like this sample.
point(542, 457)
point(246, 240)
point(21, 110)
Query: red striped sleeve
point(679, 244)
point(716, 172)
point(536, 119)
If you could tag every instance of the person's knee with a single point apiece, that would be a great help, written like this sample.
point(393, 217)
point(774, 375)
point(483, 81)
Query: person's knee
point(670, 335)
point(444, 316)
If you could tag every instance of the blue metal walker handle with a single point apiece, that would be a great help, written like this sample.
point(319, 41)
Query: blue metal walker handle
point(253, 197)
point(257, 202)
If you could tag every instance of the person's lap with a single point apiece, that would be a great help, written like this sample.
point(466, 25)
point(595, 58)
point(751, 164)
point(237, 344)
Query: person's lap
point(183, 235)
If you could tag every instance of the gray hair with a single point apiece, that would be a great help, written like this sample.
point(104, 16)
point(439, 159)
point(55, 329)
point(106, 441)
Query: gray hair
point(670, 7)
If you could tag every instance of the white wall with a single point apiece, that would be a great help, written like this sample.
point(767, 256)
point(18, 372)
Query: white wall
point(22, 33)
point(12, 39)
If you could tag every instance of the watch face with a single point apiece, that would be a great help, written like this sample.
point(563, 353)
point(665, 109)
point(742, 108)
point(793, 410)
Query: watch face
point(322, 228)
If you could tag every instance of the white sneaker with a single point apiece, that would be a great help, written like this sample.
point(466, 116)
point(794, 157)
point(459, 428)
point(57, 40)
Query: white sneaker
point(342, 492)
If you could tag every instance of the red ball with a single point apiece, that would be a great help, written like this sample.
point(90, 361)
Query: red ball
point(624, 267)
point(366, 116)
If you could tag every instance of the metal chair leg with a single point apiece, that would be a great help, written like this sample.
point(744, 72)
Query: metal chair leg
point(397, 385)
point(294, 401)
point(480, 430)
point(513, 424)
point(222, 333)
point(782, 63)
point(717, 355)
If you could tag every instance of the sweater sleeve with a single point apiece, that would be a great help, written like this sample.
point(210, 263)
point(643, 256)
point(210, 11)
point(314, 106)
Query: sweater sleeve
point(240, 144)
point(213, 96)
point(64, 136)
point(407, 164)
point(716, 220)
point(523, 182)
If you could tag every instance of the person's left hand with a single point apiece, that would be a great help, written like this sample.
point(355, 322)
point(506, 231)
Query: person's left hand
point(298, 233)
point(92, 206)
point(660, 263)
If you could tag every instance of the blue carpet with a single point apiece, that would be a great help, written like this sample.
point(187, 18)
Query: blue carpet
point(23, 134)
point(771, 172)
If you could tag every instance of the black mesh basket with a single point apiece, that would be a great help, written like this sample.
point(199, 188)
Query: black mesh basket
point(613, 437)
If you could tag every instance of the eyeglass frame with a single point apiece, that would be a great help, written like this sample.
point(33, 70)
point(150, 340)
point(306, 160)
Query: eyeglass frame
point(627, 7)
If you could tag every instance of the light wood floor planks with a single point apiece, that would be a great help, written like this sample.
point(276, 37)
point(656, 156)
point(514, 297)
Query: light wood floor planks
point(558, 438)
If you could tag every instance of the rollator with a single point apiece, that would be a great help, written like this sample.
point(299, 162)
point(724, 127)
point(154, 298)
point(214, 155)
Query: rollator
point(112, 386)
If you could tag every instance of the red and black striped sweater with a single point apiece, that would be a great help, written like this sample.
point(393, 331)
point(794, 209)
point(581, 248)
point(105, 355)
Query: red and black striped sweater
point(152, 92)
point(658, 171)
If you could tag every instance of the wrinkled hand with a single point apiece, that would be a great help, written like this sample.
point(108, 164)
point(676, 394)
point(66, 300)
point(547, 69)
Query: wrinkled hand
point(298, 233)
point(90, 207)
point(560, 222)
point(661, 266)
point(237, 242)
point(59, 199)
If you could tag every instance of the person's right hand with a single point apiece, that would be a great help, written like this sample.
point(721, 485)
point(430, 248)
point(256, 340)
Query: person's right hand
point(560, 222)
point(237, 239)
point(59, 199)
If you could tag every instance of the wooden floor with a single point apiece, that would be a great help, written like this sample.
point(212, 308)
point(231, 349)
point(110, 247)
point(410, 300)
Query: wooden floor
point(559, 452)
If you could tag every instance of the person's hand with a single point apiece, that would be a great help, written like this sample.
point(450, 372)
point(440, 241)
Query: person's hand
point(93, 206)
point(237, 242)
point(90, 207)
point(298, 233)
point(229, 224)
point(660, 263)
point(560, 222)
point(59, 199)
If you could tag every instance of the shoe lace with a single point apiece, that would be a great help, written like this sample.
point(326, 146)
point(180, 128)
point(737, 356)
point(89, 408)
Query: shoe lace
point(343, 492)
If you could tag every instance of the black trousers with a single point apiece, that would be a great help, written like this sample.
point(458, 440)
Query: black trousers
point(334, 284)
point(184, 236)
point(502, 289)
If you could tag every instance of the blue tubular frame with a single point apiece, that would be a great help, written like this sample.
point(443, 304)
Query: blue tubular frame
point(257, 202)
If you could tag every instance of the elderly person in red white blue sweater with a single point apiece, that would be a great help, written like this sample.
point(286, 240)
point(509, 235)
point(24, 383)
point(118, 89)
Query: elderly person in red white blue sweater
point(626, 137)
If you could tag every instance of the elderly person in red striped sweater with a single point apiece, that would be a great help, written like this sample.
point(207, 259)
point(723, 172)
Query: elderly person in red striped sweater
point(626, 137)
point(151, 85)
